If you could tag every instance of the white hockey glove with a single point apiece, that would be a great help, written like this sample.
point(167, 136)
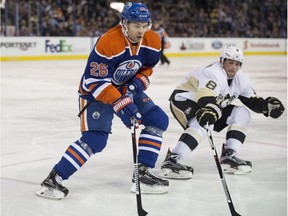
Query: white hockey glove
point(273, 107)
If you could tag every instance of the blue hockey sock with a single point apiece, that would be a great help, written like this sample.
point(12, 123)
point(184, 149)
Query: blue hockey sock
point(74, 158)
point(149, 148)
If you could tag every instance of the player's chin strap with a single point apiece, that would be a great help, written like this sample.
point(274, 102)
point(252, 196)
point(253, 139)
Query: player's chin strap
point(229, 200)
point(124, 26)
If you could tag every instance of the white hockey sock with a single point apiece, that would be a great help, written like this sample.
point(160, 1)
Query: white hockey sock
point(233, 144)
point(181, 149)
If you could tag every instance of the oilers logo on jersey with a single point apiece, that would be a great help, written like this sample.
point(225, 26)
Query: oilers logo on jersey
point(125, 71)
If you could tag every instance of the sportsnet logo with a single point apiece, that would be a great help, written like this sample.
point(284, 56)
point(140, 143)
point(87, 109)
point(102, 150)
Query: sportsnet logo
point(125, 71)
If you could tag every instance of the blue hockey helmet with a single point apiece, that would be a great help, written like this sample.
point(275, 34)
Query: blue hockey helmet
point(136, 12)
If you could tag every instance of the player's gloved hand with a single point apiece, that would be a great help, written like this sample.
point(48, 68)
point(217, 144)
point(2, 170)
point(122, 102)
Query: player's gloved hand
point(126, 109)
point(138, 84)
point(273, 107)
point(208, 114)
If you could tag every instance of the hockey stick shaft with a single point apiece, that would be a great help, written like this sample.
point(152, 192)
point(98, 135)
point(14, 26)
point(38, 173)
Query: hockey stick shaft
point(221, 175)
point(140, 210)
point(84, 108)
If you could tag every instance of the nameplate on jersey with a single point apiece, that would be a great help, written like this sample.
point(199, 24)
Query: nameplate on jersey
point(125, 71)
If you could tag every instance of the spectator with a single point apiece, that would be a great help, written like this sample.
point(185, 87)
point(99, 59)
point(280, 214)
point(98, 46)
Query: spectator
point(182, 18)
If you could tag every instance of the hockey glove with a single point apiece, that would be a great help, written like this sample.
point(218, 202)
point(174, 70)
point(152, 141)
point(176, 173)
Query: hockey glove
point(273, 107)
point(138, 84)
point(125, 109)
point(208, 114)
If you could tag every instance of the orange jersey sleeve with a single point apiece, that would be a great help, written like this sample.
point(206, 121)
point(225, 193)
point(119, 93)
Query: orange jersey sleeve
point(146, 71)
point(109, 95)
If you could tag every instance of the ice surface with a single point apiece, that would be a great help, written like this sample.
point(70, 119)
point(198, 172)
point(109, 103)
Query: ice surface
point(39, 121)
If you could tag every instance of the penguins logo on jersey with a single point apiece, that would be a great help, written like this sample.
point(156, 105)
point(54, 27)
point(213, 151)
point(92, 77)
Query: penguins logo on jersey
point(225, 101)
point(188, 110)
point(125, 71)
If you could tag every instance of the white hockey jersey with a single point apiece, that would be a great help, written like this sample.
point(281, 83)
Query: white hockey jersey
point(212, 81)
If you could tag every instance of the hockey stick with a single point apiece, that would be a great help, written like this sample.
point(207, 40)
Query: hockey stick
point(84, 108)
point(140, 210)
point(229, 200)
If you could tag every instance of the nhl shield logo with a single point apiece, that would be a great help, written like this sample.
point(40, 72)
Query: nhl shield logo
point(96, 115)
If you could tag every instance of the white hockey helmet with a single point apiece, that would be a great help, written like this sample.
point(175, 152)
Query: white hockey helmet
point(232, 52)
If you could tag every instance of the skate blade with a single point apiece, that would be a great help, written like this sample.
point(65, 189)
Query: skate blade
point(168, 173)
point(240, 170)
point(50, 193)
point(147, 189)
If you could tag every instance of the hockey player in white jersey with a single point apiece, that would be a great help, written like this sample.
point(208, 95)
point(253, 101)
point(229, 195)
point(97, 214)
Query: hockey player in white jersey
point(205, 96)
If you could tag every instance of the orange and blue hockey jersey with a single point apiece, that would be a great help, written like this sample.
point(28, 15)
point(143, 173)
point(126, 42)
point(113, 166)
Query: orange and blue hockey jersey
point(114, 61)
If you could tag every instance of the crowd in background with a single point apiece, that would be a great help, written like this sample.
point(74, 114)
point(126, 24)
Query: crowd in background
point(180, 18)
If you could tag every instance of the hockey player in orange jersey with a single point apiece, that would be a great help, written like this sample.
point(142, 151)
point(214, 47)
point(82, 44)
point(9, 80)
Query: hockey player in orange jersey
point(122, 60)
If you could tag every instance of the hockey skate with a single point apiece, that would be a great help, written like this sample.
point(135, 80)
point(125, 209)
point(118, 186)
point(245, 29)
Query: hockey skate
point(233, 165)
point(52, 188)
point(174, 170)
point(149, 183)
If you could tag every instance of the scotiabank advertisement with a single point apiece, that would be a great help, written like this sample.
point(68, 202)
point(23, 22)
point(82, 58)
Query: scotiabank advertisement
point(264, 45)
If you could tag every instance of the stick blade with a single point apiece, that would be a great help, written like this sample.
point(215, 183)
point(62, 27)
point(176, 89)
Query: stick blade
point(142, 212)
point(234, 213)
